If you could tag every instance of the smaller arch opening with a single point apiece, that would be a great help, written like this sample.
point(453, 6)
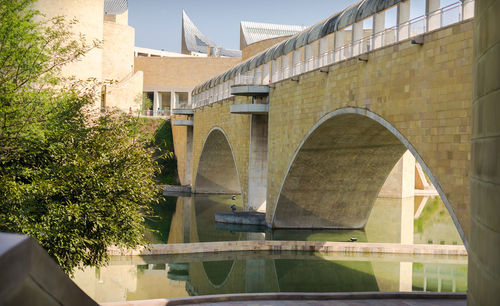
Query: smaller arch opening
point(217, 172)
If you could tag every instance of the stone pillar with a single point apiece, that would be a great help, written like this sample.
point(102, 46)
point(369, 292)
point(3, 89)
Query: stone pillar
point(484, 245)
point(357, 34)
point(433, 16)
point(257, 170)
point(403, 17)
point(378, 28)
point(188, 168)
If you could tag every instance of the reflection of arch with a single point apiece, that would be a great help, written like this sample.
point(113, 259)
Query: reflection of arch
point(338, 170)
point(218, 272)
point(217, 171)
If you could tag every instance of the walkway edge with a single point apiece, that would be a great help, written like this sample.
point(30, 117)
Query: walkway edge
point(294, 296)
point(304, 246)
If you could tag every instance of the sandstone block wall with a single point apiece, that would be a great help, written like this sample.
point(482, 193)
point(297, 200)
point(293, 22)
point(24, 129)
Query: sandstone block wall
point(90, 16)
point(181, 71)
point(422, 91)
point(237, 129)
point(118, 51)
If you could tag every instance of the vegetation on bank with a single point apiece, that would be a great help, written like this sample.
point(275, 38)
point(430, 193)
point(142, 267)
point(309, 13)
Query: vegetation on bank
point(158, 132)
point(75, 180)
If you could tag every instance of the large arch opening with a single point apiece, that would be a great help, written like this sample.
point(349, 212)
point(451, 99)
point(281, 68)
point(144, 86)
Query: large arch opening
point(217, 172)
point(338, 170)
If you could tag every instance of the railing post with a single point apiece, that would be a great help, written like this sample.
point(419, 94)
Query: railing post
point(468, 9)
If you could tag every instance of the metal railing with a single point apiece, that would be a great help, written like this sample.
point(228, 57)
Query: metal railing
point(442, 17)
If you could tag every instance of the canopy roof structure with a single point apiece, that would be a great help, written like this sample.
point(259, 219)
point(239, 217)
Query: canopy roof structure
point(252, 32)
point(193, 40)
point(334, 23)
point(115, 7)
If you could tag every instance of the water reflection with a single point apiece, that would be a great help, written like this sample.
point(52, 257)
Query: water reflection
point(420, 220)
point(164, 276)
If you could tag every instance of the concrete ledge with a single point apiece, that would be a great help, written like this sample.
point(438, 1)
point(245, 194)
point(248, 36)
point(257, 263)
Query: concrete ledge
point(182, 112)
point(242, 217)
point(176, 189)
point(378, 298)
point(182, 122)
point(250, 90)
point(249, 109)
point(305, 246)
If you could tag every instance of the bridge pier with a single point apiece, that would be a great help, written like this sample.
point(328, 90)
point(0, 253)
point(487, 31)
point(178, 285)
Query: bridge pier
point(484, 253)
point(188, 168)
point(257, 170)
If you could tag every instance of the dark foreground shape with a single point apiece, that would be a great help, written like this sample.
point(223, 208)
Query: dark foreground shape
point(30, 277)
point(302, 298)
point(242, 217)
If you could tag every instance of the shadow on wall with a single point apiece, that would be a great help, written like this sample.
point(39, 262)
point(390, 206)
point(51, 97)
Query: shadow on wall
point(338, 171)
point(217, 171)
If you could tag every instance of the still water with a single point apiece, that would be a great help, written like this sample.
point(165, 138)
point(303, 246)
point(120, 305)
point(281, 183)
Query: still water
point(191, 219)
point(150, 277)
point(420, 220)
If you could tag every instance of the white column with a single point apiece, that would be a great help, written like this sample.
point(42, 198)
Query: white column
point(405, 276)
point(433, 14)
point(407, 213)
point(174, 98)
point(160, 103)
point(403, 18)
point(378, 28)
point(357, 34)
point(468, 9)
point(339, 42)
point(156, 100)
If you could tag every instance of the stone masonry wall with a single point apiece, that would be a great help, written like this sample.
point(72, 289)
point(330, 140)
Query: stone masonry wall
point(237, 129)
point(425, 92)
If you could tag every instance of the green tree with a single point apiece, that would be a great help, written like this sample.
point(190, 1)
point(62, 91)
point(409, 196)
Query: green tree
point(74, 180)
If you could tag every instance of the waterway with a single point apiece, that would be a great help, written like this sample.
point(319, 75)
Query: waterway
point(191, 219)
point(420, 220)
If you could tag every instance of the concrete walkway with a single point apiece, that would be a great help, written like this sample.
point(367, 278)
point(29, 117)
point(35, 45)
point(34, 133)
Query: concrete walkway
point(385, 302)
point(306, 246)
point(311, 299)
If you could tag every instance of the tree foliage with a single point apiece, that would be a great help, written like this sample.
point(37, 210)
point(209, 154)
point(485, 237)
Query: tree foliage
point(75, 181)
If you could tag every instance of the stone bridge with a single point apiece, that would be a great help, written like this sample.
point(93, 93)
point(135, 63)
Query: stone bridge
point(317, 151)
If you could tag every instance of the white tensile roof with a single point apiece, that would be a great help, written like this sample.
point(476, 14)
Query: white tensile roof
point(115, 7)
point(195, 41)
point(256, 31)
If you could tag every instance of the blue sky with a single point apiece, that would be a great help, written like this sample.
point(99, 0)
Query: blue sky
point(157, 23)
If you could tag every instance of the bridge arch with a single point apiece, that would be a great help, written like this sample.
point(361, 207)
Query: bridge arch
point(217, 171)
point(339, 168)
